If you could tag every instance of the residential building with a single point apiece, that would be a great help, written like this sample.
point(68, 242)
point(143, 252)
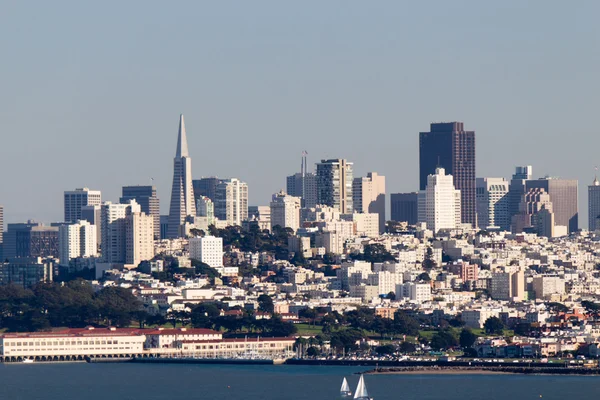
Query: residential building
point(285, 211)
point(76, 240)
point(415, 292)
point(492, 203)
point(334, 183)
point(148, 200)
point(205, 187)
point(139, 238)
point(563, 195)
point(368, 196)
point(303, 185)
point(476, 318)
point(1, 233)
point(594, 205)
point(261, 216)
point(508, 285)
point(439, 203)
point(31, 239)
point(207, 249)
point(182, 194)
point(404, 207)
point(78, 198)
point(450, 147)
point(516, 188)
point(205, 208)
point(466, 271)
point(365, 224)
point(546, 286)
point(231, 201)
point(93, 215)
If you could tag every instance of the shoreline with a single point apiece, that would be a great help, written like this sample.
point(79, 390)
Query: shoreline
point(478, 370)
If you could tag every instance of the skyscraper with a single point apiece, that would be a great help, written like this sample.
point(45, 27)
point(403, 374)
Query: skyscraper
point(563, 195)
point(404, 207)
point(303, 185)
point(146, 197)
point(368, 196)
point(535, 214)
point(439, 203)
point(334, 184)
point(182, 194)
point(231, 201)
point(594, 204)
point(492, 203)
point(205, 187)
point(1, 233)
point(449, 146)
point(285, 211)
point(516, 188)
point(76, 240)
point(75, 199)
point(31, 239)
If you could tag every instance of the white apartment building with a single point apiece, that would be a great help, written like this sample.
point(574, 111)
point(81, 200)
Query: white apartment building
point(415, 292)
point(439, 203)
point(477, 317)
point(231, 201)
point(365, 292)
point(285, 211)
point(207, 249)
point(492, 203)
point(385, 281)
point(367, 224)
point(368, 196)
point(139, 238)
point(545, 286)
point(76, 240)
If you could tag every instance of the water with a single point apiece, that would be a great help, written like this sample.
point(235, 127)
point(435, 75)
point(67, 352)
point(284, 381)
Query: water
point(228, 382)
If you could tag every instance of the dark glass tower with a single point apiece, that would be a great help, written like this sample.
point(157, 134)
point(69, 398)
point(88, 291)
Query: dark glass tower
point(449, 146)
point(146, 197)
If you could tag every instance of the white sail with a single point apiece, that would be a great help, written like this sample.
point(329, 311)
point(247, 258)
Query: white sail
point(345, 387)
point(361, 389)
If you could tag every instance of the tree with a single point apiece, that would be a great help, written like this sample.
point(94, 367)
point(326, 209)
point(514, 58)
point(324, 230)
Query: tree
point(443, 340)
point(385, 349)
point(404, 324)
point(429, 262)
point(204, 315)
point(424, 277)
point(558, 307)
point(523, 329)
point(391, 296)
point(312, 351)
point(407, 347)
point(493, 326)
point(467, 338)
point(265, 304)
point(376, 253)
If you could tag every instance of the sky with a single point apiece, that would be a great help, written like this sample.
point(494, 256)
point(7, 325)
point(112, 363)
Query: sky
point(91, 92)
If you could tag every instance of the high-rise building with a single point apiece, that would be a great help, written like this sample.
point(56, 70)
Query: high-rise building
point(516, 188)
point(205, 187)
point(31, 239)
point(139, 238)
point(285, 211)
point(76, 240)
point(404, 207)
point(231, 201)
point(368, 196)
point(146, 197)
point(439, 203)
point(563, 195)
point(182, 194)
point(93, 215)
point(206, 208)
point(449, 146)
point(1, 233)
point(532, 202)
point(334, 184)
point(594, 205)
point(508, 285)
point(78, 198)
point(303, 185)
point(492, 203)
point(207, 249)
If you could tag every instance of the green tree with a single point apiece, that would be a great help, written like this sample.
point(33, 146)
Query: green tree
point(493, 326)
point(404, 324)
point(407, 347)
point(467, 338)
point(385, 349)
point(443, 340)
point(312, 351)
point(265, 304)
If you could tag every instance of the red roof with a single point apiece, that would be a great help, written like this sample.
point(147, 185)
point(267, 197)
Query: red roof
point(237, 340)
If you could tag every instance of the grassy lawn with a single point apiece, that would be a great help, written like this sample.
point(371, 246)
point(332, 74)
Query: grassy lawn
point(308, 330)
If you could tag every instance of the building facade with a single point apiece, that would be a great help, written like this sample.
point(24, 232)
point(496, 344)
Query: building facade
point(404, 207)
point(231, 201)
point(334, 184)
point(77, 240)
point(75, 199)
point(205, 187)
point(31, 239)
point(207, 249)
point(563, 195)
point(303, 186)
point(285, 211)
point(368, 196)
point(594, 205)
point(139, 238)
point(449, 146)
point(516, 188)
point(148, 200)
point(493, 203)
point(439, 203)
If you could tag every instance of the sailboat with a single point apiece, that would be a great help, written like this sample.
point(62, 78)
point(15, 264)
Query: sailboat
point(361, 390)
point(345, 390)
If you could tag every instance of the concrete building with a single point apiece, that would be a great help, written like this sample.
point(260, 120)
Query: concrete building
point(261, 216)
point(533, 201)
point(368, 196)
point(26, 271)
point(75, 199)
point(139, 238)
point(31, 239)
point(404, 207)
point(385, 281)
point(476, 318)
point(516, 188)
point(439, 203)
point(93, 215)
point(148, 200)
point(1, 233)
point(508, 285)
point(465, 270)
point(207, 249)
point(77, 240)
point(303, 185)
point(285, 211)
point(334, 183)
point(546, 286)
point(415, 292)
point(365, 224)
point(450, 147)
point(563, 195)
point(205, 187)
point(231, 201)
point(182, 193)
point(594, 205)
point(492, 203)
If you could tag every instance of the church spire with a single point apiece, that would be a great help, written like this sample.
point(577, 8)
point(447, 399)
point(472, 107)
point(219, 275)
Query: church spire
point(182, 147)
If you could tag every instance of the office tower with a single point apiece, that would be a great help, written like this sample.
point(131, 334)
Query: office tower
point(532, 202)
point(93, 215)
point(303, 185)
point(1, 233)
point(440, 202)
point(285, 211)
point(334, 184)
point(492, 203)
point(76, 240)
point(146, 197)
point(404, 207)
point(31, 239)
point(182, 194)
point(368, 196)
point(516, 188)
point(594, 204)
point(78, 198)
point(449, 146)
point(231, 201)
point(139, 238)
point(26, 271)
point(207, 249)
point(205, 208)
point(563, 195)
point(164, 226)
point(205, 187)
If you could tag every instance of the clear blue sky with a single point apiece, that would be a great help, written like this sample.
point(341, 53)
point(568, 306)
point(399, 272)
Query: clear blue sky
point(91, 91)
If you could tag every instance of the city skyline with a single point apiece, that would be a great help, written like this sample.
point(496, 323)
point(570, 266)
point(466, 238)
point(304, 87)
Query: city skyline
point(280, 79)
